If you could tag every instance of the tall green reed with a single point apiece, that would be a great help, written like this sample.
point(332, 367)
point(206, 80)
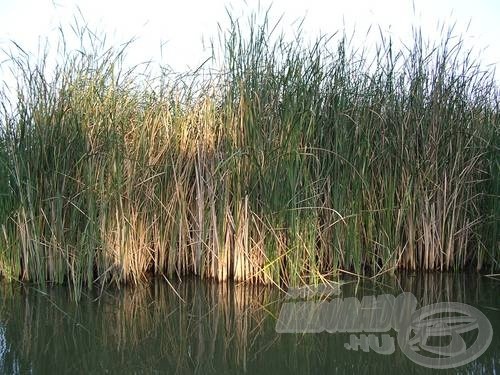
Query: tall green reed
point(288, 164)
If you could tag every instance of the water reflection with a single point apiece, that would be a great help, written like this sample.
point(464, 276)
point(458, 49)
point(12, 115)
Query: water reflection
point(204, 327)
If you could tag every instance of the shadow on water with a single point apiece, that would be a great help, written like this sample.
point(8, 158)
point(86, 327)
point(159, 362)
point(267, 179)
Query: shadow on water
point(204, 327)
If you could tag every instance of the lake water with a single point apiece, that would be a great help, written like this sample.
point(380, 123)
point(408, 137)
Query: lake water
point(203, 327)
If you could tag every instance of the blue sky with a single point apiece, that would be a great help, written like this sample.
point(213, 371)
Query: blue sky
point(179, 25)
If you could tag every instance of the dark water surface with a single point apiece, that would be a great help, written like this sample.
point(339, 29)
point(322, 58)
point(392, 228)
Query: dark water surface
point(204, 327)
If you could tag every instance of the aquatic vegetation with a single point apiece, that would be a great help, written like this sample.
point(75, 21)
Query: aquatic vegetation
point(286, 164)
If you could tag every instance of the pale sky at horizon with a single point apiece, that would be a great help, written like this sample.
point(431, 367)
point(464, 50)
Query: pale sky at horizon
point(180, 25)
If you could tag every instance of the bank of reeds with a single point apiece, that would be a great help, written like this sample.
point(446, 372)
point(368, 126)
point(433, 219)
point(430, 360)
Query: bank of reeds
point(286, 164)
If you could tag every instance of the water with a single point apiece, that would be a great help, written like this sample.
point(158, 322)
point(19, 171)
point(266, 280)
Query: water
point(204, 327)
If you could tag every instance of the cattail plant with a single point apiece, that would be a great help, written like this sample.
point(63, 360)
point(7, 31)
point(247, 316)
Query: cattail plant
point(288, 164)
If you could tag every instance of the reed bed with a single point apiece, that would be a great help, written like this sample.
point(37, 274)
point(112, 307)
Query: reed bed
point(284, 163)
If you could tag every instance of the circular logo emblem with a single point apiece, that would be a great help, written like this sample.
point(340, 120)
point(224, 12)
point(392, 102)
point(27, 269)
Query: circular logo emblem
point(432, 337)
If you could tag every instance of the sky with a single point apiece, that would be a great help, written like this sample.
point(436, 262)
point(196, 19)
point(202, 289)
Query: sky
point(172, 31)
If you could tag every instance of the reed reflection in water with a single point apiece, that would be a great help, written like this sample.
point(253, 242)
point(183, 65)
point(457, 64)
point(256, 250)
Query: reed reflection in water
point(203, 327)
